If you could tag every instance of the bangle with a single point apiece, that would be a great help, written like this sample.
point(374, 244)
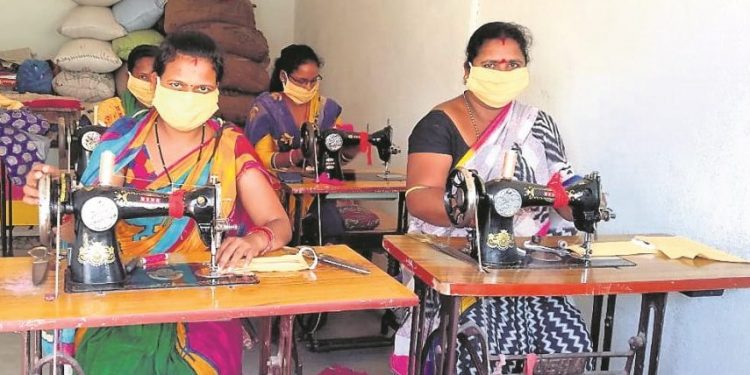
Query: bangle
point(273, 160)
point(269, 237)
point(291, 162)
point(414, 188)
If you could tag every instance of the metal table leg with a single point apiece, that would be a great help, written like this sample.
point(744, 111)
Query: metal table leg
point(281, 362)
point(596, 321)
point(297, 235)
point(609, 327)
point(449, 306)
point(656, 302)
point(401, 225)
point(265, 345)
point(417, 337)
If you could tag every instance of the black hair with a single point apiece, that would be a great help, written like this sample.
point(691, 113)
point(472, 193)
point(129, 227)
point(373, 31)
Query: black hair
point(498, 30)
point(291, 58)
point(139, 52)
point(189, 43)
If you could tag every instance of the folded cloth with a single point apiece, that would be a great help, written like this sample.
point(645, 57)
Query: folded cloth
point(280, 263)
point(616, 248)
point(673, 247)
point(8, 103)
point(681, 247)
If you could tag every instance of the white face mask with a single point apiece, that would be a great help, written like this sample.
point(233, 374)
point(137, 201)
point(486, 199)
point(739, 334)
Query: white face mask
point(497, 88)
point(184, 110)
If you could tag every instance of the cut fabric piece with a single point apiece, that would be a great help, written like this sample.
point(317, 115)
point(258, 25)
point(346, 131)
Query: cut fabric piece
point(357, 217)
point(22, 142)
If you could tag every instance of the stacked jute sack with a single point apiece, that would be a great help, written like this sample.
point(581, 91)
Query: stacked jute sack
point(231, 23)
point(102, 32)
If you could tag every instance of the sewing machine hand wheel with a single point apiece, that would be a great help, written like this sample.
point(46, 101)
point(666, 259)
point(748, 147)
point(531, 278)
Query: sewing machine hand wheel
point(308, 139)
point(462, 192)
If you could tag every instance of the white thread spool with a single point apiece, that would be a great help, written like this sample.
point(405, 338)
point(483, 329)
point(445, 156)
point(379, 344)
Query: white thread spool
point(106, 168)
point(96, 115)
point(509, 165)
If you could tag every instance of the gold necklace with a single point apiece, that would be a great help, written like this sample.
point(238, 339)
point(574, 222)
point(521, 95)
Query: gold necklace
point(470, 109)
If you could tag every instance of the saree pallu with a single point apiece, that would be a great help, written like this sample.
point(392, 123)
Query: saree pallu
point(512, 325)
point(174, 348)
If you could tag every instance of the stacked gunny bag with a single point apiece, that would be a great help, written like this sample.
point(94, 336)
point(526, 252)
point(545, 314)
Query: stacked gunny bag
point(231, 23)
point(103, 32)
point(87, 60)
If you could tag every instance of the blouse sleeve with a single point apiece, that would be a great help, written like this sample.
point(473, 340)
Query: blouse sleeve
point(432, 134)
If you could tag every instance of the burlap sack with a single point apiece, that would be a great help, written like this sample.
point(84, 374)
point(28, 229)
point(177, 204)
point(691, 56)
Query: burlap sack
point(184, 12)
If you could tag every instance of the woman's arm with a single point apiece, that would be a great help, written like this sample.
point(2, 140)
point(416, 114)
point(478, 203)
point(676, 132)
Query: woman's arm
point(426, 174)
point(264, 208)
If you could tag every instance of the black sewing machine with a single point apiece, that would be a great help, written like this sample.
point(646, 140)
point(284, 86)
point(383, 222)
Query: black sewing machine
point(94, 262)
point(489, 208)
point(322, 149)
point(82, 143)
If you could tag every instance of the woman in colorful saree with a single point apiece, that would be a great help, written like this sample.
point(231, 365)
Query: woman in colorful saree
point(473, 130)
point(177, 144)
point(274, 122)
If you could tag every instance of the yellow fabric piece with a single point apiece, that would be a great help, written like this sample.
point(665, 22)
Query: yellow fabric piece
point(681, 247)
point(466, 302)
point(280, 263)
point(10, 104)
point(109, 111)
point(615, 248)
point(24, 214)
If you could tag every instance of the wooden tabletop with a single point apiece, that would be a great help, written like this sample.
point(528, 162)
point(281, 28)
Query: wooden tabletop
point(23, 306)
point(652, 274)
point(369, 185)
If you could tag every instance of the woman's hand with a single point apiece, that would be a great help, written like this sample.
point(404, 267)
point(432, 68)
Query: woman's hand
point(239, 251)
point(31, 189)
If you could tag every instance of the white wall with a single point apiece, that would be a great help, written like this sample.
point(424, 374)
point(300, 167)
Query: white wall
point(653, 94)
point(275, 19)
point(33, 24)
point(386, 59)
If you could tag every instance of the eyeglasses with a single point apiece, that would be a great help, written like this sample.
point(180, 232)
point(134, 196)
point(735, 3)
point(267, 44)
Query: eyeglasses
point(306, 82)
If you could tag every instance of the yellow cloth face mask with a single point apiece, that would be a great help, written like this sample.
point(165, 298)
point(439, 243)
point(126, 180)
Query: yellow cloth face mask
point(184, 110)
point(299, 94)
point(497, 88)
point(281, 263)
point(142, 90)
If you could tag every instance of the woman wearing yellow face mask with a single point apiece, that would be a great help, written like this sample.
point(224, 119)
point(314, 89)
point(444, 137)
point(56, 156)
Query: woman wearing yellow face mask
point(177, 145)
point(274, 122)
point(140, 91)
point(472, 130)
